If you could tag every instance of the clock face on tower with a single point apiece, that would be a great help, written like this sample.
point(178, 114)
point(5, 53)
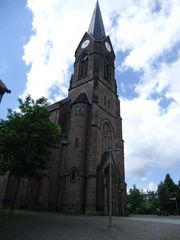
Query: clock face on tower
point(85, 43)
point(108, 47)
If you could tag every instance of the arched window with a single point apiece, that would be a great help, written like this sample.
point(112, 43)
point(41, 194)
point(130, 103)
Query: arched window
point(80, 110)
point(76, 142)
point(83, 67)
point(105, 101)
point(74, 173)
point(106, 136)
point(109, 103)
point(77, 109)
point(107, 69)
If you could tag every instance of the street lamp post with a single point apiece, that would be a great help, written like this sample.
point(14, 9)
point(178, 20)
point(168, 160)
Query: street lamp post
point(110, 193)
point(64, 143)
point(110, 186)
point(121, 189)
point(177, 207)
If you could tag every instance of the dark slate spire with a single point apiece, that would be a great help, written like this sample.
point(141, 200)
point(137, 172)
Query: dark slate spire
point(96, 27)
point(3, 87)
point(3, 90)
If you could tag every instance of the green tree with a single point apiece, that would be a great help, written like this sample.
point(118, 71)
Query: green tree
point(167, 190)
point(26, 140)
point(151, 202)
point(178, 190)
point(135, 200)
point(142, 202)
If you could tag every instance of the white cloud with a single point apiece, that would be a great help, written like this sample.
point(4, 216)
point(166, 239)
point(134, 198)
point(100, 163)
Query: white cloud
point(150, 136)
point(144, 29)
point(147, 33)
point(164, 81)
point(58, 28)
point(152, 187)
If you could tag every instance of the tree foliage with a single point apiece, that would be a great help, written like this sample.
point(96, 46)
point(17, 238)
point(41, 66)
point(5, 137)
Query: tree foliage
point(178, 190)
point(26, 139)
point(135, 200)
point(141, 202)
point(168, 192)
point(166, 199)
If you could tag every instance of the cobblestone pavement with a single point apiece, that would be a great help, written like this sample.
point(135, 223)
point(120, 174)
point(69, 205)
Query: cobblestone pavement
point(49, 226)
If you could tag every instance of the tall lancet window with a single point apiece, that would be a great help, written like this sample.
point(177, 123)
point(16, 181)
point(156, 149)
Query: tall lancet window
point(107, 69)
point(107, 137)
point(83, 67)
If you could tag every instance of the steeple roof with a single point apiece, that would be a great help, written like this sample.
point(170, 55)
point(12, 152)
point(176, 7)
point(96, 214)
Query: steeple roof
point(3, 87)
point(96, 27)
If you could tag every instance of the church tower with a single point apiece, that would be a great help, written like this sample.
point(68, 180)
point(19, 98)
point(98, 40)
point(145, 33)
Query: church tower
point(94, 128)
point(78, 179)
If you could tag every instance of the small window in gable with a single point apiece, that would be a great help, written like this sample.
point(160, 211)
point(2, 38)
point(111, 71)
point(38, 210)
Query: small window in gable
point(82, 110)
point(77, 109)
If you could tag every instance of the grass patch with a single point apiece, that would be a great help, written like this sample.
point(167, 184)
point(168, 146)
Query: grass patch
point(5, 214)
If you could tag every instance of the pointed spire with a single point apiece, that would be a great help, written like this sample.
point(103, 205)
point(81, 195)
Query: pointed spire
point(3, 87)
point(96, 27)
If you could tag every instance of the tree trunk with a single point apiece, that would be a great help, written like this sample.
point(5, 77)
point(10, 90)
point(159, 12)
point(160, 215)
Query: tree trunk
point(13, 204)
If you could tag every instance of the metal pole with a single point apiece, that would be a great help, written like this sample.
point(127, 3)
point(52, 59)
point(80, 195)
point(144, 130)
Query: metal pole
point(176, 206)
point(110, 195)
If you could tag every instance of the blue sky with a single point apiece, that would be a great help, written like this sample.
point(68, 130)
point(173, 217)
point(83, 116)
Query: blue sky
point(15, 29)
point(38, 41)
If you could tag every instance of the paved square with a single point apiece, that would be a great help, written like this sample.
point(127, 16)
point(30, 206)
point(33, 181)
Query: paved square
point(53, 226)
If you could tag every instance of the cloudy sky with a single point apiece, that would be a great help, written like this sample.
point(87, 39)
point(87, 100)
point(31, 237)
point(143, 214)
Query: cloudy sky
point(37, 45)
